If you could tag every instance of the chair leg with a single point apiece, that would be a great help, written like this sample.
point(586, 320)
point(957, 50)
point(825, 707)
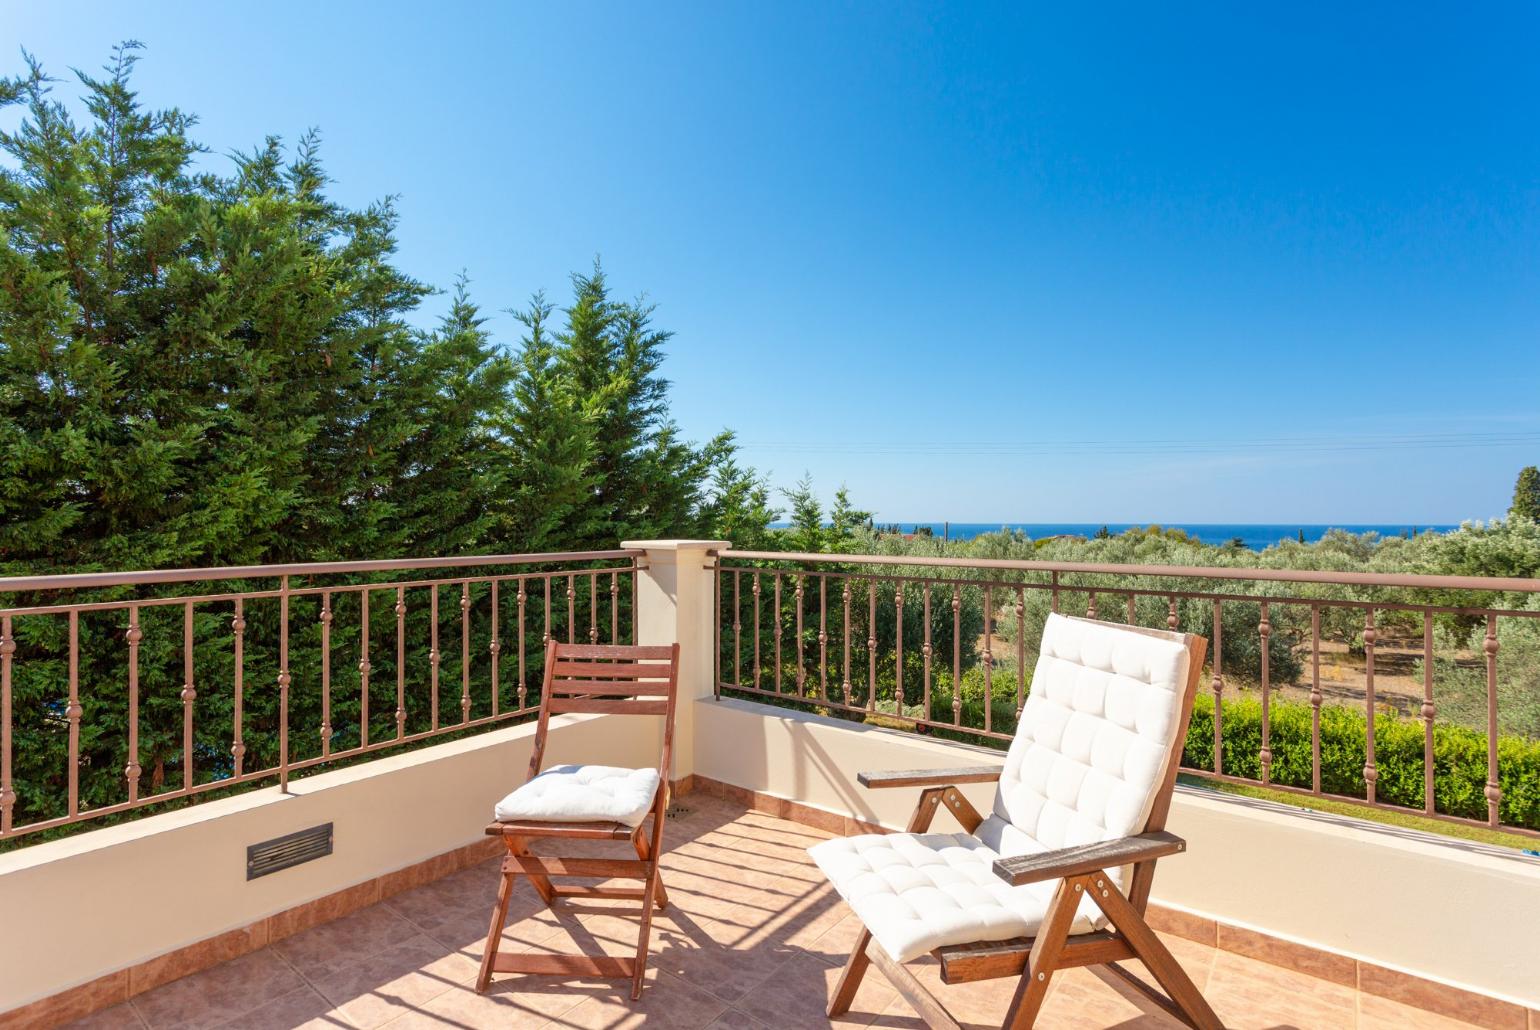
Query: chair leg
point(850, 977)
point(1047, 945)
point(644, 938)
point(495, 934)
point(1157, 958)
point(644, 852)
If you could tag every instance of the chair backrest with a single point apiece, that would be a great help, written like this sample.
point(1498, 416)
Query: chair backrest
point(608, 679)
point(1100, 737)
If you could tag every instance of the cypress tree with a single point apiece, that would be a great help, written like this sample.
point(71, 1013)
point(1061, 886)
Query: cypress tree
point(1526, 495)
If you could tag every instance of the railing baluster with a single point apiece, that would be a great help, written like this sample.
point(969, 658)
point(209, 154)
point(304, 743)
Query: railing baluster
point(957, 686)
point(777, 610)
point(1218, 686)
point(801, 664)
point(1090, 608)
point(495, 648)
point(523, 688)
point(1172, 619)
point(465, 648)
point(737, 627)
point(823, 637)
point(400, 611)
point(571, 610)
point(1053, 590)
point(614, 607)
point(898, 650)
point(593, 607)
point(1494, 790)
point(1128, 614)
point(1021, 651)
point(434, 657)
point(846, 639)
point(1315, 698)
point(545, 637)
point(283, 685)
point(989, 657)
point(758, 620)
point(363, 667)
point(1265, 631)
point(871, 645)
point(326, 674)
point(72, 712)
point(716, 628)
point(7, 791)
point(132, 771)
point(1427, 713)
point(1371, 774)
point(189, 694)
point(925, 651)
point(237, 742)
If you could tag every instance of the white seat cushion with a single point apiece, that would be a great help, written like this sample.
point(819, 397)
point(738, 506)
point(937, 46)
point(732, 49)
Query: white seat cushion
point(920, 891)
point(582, 794)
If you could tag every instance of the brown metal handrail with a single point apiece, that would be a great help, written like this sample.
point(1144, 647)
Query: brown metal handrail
point(756, 664)
point(1369, 579)
point(520, 599)
point(84, 580)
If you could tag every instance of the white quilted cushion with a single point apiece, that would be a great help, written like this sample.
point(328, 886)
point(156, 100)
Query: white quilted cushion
point(1094, 741)
point(582, 794)
point(920, 891)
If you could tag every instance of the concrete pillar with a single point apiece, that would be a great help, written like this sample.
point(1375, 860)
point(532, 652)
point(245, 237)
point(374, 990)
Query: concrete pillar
point(674, 601)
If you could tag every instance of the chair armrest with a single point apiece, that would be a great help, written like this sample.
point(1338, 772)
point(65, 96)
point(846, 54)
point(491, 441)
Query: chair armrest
point(929, 777)
point(1087, 858)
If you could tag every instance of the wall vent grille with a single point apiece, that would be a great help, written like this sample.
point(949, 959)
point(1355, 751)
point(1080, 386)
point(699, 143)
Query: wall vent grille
point(289, 850)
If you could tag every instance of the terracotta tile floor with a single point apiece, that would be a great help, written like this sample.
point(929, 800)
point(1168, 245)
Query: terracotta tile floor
point(753, 938)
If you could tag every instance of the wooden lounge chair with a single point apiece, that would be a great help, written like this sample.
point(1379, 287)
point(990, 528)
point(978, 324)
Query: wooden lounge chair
point(1058, 874)
point(589, 802)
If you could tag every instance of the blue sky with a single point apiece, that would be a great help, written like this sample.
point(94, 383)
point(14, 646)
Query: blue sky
point(1139, 262)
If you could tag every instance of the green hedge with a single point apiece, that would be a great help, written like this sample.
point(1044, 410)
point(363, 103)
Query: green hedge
point(1459, 757)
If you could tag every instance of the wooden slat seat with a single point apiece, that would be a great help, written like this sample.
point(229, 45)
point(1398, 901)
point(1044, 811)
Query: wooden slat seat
point(575, 831)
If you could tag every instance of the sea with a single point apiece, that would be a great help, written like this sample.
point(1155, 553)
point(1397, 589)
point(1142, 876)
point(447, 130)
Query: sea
point(1256, 536)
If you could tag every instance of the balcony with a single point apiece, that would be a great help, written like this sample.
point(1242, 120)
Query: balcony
point(391, 701)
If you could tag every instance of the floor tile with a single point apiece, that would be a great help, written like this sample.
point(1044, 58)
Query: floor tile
point(400, 978)
point(797, 994)
point(1246, 993)
point(320, 950)
point(303, 1008)
point(218, 994)
point(667, 1003)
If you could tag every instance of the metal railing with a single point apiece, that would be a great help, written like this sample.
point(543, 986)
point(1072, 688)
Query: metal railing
point(943, 645)
point(250, 675)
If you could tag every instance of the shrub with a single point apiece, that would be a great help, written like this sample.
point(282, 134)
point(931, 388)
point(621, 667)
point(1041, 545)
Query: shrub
point(1459, 757)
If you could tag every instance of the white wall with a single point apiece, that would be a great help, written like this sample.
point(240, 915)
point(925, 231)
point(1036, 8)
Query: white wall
point(1465, 916)
point(76, 909)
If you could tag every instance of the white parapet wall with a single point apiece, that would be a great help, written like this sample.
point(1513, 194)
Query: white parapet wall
point(1464, 916)
point(77, 909)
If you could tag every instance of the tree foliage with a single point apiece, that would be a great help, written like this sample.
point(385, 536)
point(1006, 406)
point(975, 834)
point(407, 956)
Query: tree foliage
point(218, 369)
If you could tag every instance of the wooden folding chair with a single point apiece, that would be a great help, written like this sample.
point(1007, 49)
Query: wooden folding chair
point(1058, 875)
point(589, 802)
